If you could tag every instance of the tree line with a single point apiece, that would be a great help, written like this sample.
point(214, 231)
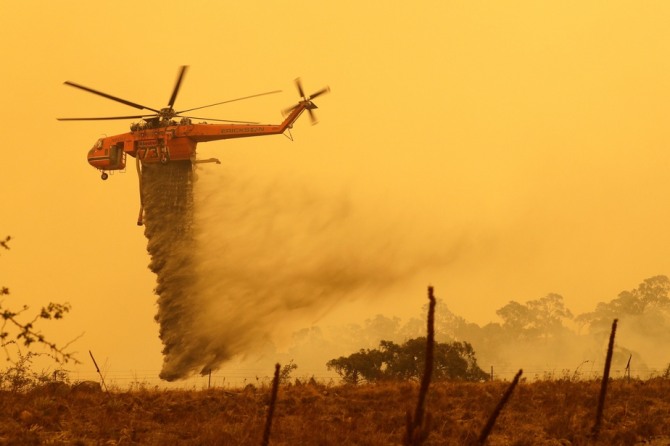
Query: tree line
point(541, 332)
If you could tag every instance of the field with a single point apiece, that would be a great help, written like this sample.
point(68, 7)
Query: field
point(558, 412)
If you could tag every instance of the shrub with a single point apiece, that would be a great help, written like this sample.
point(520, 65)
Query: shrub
point(452, 361)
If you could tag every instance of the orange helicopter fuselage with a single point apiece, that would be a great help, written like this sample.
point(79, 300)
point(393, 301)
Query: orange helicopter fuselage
point(174, 141)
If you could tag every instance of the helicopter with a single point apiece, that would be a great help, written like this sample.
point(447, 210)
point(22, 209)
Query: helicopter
point(163, 139)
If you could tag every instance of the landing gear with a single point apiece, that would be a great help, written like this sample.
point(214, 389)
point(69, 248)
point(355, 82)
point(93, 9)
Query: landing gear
point(104, 176)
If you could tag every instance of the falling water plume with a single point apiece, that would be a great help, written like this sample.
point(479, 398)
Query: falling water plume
point(241, 260)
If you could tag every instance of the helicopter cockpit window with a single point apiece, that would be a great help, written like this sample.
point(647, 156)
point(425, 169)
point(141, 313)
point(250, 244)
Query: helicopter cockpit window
point(98, 144)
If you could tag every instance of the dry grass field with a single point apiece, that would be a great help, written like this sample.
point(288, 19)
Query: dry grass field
point(539, 413)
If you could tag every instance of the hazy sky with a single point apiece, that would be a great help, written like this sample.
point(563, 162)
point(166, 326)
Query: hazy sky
point(497, 150)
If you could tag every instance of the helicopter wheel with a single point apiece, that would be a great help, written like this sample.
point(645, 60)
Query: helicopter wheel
point(104, 176)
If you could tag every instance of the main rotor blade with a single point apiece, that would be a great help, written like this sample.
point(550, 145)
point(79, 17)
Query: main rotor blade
point(109, 96)
point(231, 100)
point(320, 92)
point(219, 120)
point(103, 119)
point(177, 85)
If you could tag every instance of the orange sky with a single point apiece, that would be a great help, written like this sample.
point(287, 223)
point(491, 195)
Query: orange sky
point(524, 140)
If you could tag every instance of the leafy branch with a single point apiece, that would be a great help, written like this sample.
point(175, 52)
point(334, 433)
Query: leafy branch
point(16, 330)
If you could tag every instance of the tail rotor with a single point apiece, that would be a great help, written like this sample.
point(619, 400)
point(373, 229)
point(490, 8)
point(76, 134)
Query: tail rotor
point(307, 100)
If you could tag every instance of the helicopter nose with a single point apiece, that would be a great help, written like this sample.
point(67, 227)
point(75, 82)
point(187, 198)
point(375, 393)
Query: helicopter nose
point(96, 158)
point(89, 156)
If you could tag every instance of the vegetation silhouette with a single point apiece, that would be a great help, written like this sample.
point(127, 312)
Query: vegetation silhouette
point(19, 329)
point(452, 361)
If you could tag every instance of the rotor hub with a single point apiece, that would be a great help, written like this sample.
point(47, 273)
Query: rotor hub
point(167, 113)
